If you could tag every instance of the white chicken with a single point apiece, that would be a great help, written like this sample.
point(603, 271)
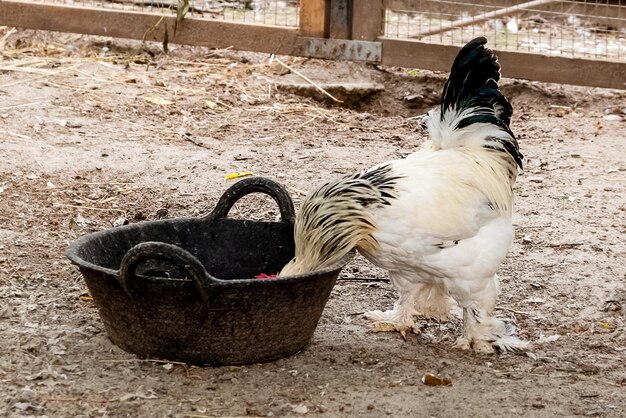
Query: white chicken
point(439, 220)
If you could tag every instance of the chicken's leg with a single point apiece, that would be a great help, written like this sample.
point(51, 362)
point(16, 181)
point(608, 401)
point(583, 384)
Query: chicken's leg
point(400, 318)
point(433, 302)
point(482, 331)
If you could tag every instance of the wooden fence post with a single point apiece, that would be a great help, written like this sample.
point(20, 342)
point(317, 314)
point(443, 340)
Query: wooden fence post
point(367, 19)
point(314, 18)
point(340, 25)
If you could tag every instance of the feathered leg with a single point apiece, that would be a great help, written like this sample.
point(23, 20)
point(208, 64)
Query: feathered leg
point(482, 331)
point(433, 302)
point(400, 318)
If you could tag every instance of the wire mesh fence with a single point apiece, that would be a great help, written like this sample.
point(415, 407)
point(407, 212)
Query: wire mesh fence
point(580, 29)
point(264, 12)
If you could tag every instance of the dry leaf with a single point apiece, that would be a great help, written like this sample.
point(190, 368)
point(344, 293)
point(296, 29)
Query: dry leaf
point(6, 312)
point(120, 221)
point(140, 394)
point(157, 100)
point(85, 297)
point(548, 339)
point(238, 175)
point(300, 409)
point(81, 221)
point(23, 406)
point(210, 104)
point(430, 379)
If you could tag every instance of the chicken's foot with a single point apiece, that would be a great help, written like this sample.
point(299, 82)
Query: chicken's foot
point(484, 333)
point(383, 326)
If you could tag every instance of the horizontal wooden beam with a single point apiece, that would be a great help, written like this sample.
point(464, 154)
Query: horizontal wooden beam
point(338, 49)
point(148, 26)
point(283, 40)
point(523, 65)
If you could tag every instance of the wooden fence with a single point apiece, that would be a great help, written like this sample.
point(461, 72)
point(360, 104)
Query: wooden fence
point(330, 29)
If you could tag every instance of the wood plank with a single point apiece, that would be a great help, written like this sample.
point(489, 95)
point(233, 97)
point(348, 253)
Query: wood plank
point(148, 26)
point(523, 65)
point(282, 40)
point(340, 25)
point(338, 49)
point(367, 19)
point(314, 17)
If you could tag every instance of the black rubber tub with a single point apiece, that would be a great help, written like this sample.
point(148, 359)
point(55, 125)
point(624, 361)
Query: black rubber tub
point(184, 289)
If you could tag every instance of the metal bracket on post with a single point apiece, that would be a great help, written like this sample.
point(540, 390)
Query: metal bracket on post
point(338, 49)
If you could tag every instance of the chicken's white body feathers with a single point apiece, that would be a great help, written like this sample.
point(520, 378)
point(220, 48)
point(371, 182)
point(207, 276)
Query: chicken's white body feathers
point(451, 222)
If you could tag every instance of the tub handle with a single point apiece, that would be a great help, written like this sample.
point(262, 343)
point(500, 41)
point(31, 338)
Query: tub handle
point(255, 185)
point(154, 250)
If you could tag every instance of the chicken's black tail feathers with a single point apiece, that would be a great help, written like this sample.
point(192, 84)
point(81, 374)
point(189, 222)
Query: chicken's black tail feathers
point(473, 66)
point(473, 82)
point(472, 93)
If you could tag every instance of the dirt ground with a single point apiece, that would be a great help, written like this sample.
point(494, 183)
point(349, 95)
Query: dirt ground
point(92, 130)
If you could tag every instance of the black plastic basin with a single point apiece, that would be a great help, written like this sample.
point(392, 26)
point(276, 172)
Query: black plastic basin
point(184, 289)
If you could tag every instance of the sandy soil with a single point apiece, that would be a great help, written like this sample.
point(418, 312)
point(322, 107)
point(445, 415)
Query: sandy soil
point(93, 130)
